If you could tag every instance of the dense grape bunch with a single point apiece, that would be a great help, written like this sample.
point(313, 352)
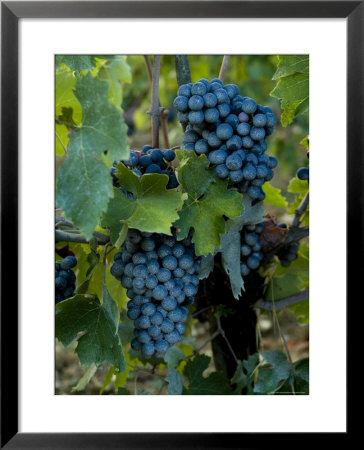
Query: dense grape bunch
point(289, 252)
point(251, 248)
point(160, 275)
point(231, 130)
point(149, 160)
point(65, 280)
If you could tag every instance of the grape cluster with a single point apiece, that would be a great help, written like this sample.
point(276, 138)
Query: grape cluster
point(160, 275)
point(231, 130)
point(149, 160)
point(251, 248)
point(65, 278)
point(289, 252)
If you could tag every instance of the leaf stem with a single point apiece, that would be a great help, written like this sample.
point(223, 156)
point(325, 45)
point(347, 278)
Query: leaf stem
point(283, 302)
point(60, 140)
point(300, 210)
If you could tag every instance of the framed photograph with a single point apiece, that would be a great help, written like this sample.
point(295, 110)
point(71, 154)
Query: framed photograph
point(160, 155)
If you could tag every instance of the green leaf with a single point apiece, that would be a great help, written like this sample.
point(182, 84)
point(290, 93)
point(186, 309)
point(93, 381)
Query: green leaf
point(84, 182)
point(115, 72)
point(100, 341)
point(289, 64)
point(84, 381)
point(107, 379)
point(209, 199)
point(270, 379)
point(231, 245)
point(173, 356)
point(65, 97)
point(126, 328)
point(93, 259)
point(297, 186)
point(174, 380)
point(293, 90)
point(103, 126)
point(154, 208)
point(243, 376)
point(306, 142)
point(84, 186)
point(62, 133)
point(79, 62)
point(207, 266)
point(214, 384)
point(273, 196)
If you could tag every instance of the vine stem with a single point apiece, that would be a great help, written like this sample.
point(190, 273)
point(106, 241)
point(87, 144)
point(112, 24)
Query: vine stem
point(224, 66)
point(222, 332)
point(283, 302)
point(164, 112)
point(155, 109)
point(101, 239)
point(300, 210)
point(104, 263)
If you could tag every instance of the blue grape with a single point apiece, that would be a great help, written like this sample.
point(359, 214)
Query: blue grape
point(160, 292)
point(117, 270)
point(211, 115)
point(169, 262)
point(68, 262)
point(251, 238)
point(236, 176)
point(185, 90)
point(167, 326)
point(249, 106)
point(140, 271)
point(153, 266)
point(164, 250)
point(224, 110)
point(156, 318)
point(233, 162)
point(169, 303)
point(217, 157)
point(169, 155)
point(245, 250)
point(222, 171)
point(180, 327)
point(196, 103)
point(233, 121)
point(154, 331)
point(196, 117)
point(224, 131)
point(163, 275)
point(148, 309)
point(139, 258)
point(178, 250)
point(257, 133)
point(145, 161)
point(185, 262)
point(143, 336)
point(303, 173)
point(199, 89)
point(142, 322)
point(244, 270)
point(222, 96)
point(181, 103)
point(161, 346)
point(234, 143)
point(249, 172)
point(210, 100)
point(148, 349)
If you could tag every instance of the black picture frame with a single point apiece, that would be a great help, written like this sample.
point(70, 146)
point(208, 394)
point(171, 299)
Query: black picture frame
point(11, 12)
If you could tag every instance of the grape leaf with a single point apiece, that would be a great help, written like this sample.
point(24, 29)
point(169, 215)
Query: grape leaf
point(154, 208)
point(84, 183)
point(103, 126)
point(273, 196)
point(85, 379)
point(231, 242)
point(100, 341)
point(243, 376)
point(65, 96)
point(289, 64)
point(174, 380)
point(209, 199)
point(84, 186)
point(270, 379)
point(292, 86)
point(61, 136)
point(173, 356)
point(79, 62)
point(297, 186)
point(306, 142)
point(126, 328)
point(116, 72)
point(214, 384)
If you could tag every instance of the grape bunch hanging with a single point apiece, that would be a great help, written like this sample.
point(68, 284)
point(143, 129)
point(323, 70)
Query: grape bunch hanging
point(160, 275)
point(65, 280)
point(148, 160)
point(230, 130)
